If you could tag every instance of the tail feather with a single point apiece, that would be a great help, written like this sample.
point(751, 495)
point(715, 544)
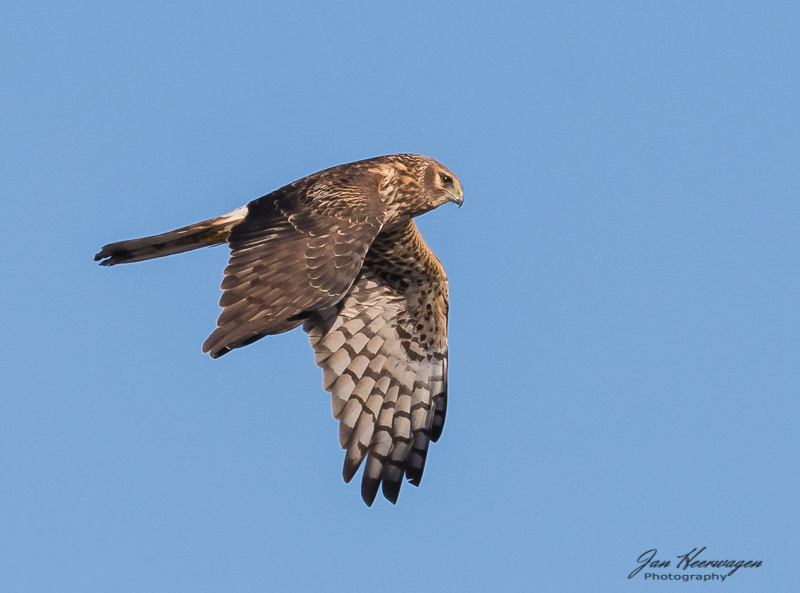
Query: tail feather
point(202, 234)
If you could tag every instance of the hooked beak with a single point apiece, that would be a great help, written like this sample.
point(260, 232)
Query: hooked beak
point(457, 198)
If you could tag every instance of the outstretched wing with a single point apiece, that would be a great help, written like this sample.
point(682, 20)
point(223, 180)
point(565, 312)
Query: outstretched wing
point(297, 251)
point(384, 354)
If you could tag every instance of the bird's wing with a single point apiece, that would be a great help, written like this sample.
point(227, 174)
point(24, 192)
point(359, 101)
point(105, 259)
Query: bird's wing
point(298, 250)
point(384, 354)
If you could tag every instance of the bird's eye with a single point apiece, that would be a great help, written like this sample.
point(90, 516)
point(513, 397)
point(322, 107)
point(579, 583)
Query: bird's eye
point(446, 179)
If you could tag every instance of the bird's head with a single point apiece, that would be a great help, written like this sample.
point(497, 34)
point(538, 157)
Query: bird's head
point(441, 185)
point(411, 184)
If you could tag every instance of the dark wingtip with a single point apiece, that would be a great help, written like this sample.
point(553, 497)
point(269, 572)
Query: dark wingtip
point(391, 490)
point(415, 463)
point(217, 353)
point(369, 490)
point(349, 471)
point(210, 349)
point(413, 478)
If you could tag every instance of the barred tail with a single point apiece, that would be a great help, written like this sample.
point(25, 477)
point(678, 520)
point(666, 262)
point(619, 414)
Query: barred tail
point(202, 234)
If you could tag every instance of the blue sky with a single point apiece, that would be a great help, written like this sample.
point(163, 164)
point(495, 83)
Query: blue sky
point(624, 329)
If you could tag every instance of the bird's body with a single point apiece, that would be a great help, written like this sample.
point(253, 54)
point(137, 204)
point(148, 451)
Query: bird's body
point(339, 253)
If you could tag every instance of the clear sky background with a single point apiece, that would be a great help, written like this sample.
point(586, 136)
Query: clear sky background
point(624, 327)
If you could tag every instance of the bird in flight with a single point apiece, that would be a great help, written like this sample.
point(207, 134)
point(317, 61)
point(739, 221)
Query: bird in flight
point(339, 253)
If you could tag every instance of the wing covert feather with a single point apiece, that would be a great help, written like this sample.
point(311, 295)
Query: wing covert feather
point(298, 250)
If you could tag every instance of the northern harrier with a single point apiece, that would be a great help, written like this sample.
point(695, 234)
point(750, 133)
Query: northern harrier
point(339, 253)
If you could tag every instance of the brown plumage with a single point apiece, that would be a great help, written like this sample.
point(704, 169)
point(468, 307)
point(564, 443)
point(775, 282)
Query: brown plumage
point(339, 253)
